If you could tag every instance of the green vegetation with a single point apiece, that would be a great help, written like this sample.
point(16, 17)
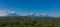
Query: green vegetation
point(29, 22)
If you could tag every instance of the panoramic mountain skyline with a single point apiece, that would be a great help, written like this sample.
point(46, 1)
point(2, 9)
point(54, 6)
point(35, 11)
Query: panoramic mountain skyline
point(25, 7)
point(13, 13)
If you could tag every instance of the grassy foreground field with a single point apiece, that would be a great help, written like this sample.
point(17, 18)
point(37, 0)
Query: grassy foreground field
point(29, 22)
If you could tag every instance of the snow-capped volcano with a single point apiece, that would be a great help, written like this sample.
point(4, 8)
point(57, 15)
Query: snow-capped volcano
point(7, 13)
point(38, 15)
point(43, 15)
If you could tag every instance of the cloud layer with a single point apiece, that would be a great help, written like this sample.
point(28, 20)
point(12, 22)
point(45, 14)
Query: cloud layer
point(6, 12)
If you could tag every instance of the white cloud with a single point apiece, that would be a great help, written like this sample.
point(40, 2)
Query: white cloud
point(6, 12)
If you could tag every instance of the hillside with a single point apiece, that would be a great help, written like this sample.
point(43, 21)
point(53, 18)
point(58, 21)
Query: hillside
point(23, 21)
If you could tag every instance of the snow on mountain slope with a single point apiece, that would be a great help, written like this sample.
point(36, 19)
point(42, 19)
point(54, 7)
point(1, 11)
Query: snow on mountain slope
point(38, 15)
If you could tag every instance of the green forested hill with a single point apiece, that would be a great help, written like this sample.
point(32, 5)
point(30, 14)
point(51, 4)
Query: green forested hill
point(19, 21)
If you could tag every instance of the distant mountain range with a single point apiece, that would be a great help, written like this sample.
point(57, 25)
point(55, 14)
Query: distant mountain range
point(30, 15)
point(12, 13)
point(37, 15)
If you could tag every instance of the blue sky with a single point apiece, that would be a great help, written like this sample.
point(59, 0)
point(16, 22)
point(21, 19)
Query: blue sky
point(50, 7)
